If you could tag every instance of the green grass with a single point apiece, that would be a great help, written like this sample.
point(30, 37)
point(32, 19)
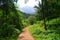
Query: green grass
point(53, 32)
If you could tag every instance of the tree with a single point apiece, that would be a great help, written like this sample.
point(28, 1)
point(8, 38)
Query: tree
point(9, 19)
point(38, 12)
point(31, 20)
point(41, 12)
point(48, 10)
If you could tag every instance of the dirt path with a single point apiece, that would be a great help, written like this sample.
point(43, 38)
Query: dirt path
point(25, 35)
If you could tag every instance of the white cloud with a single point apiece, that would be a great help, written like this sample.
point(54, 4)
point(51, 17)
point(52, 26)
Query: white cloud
point(28, 7)
point(30, 3)
point(20, 3)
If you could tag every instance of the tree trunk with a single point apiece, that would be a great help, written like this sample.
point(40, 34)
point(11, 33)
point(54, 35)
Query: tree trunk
point(43, 15)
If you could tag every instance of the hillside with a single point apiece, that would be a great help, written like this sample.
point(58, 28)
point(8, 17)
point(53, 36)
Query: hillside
point(52, 33)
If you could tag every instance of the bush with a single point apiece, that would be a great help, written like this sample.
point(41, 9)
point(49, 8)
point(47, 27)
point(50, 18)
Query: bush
point(7, 30)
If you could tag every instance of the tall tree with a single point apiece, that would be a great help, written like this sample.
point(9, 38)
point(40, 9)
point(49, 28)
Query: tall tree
point(43, 12)
point(10, 18)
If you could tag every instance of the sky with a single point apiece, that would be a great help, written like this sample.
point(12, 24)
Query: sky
point(27, 7)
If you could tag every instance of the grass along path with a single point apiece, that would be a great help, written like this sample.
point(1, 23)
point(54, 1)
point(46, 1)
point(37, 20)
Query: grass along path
point(25, 35)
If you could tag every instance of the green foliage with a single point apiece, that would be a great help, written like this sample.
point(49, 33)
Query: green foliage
point(31, 20)
point(25, 23)
point(48, 10)
point(46, 36)
point(53, 24)
point(39, 33)
point(8, 26)
point(10, 21)
point(39, 15)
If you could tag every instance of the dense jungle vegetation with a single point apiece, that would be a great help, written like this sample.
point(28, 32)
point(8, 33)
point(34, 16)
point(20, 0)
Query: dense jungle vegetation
point(44, 24)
